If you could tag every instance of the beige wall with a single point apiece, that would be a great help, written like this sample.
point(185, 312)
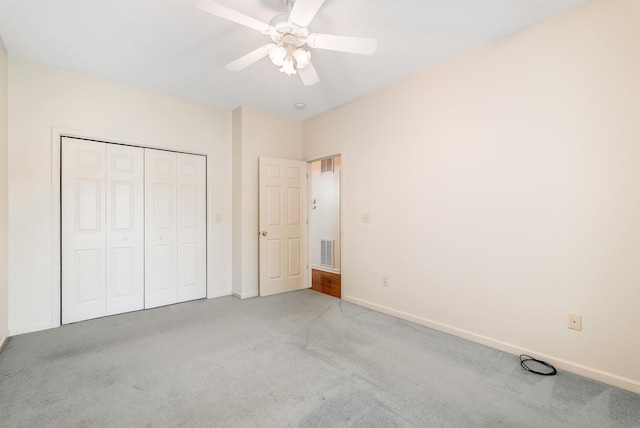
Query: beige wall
point(255, 133)
point(504, 192)
point(44, 99)
point(4, 284)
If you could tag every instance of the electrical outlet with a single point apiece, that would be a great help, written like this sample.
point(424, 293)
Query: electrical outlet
point(366, 218)
point(574, 322)
point(218, 218)
point(385, 281)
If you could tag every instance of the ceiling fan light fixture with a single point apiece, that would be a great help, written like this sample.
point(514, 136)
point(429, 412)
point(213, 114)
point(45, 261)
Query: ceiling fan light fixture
point(278, 55)
point(302, 57)
point(287, 67)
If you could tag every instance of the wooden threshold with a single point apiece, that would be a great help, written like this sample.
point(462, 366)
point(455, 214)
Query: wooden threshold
point(326, 282)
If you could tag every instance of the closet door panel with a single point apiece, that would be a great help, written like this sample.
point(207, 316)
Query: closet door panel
point(161, 246)
point(133, 228)
point(83, 230)
point(192, 228)
point(125, 224)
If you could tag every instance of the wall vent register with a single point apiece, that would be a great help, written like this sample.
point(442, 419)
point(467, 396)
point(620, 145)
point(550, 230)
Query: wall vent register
point(326, 165)
point(326, 252)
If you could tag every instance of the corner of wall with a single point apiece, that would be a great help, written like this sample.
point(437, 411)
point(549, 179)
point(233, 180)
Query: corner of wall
point(248, 295)
point(236, 201)
point(256, 133)
point(4, 197)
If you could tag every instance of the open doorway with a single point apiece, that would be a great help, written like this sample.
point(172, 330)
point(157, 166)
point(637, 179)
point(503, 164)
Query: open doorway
point(324, 225)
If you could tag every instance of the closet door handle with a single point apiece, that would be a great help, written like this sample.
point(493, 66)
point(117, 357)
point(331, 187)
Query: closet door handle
point(264, 233)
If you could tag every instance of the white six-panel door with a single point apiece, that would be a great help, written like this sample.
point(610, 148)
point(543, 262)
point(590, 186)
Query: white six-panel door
point(125, 228)
point(102, 204)
point(175, 224)
point(192, 228)
point(83, 230)
point(283, 225)
point(133, 228)
point(161, 228)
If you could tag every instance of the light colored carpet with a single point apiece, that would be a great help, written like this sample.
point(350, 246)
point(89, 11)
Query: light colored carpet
point(300, 359)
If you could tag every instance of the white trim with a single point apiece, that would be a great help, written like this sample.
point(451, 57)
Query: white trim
point(309, 275)
point(55, 229)
point(579, 369)
point(218, 294)
point(4, 336)
point(325, 269)
point(325, 155)
point(246, 295)
point(32, 328)
point(110, 139)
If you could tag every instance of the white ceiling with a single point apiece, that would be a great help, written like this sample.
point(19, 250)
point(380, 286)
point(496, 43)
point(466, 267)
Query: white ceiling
point(169, 46)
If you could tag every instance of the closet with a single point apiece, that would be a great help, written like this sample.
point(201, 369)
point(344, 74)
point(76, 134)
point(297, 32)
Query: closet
point(133, 228)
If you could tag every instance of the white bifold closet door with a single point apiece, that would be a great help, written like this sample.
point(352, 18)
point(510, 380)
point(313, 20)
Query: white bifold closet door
point(175, 227)
point(102, 229)
point(133, 228)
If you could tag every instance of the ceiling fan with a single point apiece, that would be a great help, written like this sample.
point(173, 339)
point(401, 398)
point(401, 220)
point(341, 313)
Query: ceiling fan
point(289, 33)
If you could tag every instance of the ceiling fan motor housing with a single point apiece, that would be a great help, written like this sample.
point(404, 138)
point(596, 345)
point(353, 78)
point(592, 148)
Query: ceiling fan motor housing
point(284, 28)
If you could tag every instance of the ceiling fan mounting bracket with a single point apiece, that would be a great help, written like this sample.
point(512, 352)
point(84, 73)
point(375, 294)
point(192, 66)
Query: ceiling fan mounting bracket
point(288, 3)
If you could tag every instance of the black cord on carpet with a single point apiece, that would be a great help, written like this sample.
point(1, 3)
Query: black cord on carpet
point(524, 359)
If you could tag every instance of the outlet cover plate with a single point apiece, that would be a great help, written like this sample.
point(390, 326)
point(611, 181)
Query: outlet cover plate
point(575, 322)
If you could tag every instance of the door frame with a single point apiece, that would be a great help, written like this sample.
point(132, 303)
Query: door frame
point(309, 162)
point(56, 206)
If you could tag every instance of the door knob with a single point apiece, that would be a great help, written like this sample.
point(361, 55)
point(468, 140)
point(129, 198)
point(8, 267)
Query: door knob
point(264, 233)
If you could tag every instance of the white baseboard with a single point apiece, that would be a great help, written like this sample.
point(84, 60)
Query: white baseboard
point(219, 294)
point(32, 328)
point(4, 336)
point(246, 295)
point(588, 372)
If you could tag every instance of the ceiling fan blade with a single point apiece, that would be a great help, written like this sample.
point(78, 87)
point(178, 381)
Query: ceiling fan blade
point(357, 45)
point(308, 75)
point(304, 10)
point(232, 15)
point(250, 58)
